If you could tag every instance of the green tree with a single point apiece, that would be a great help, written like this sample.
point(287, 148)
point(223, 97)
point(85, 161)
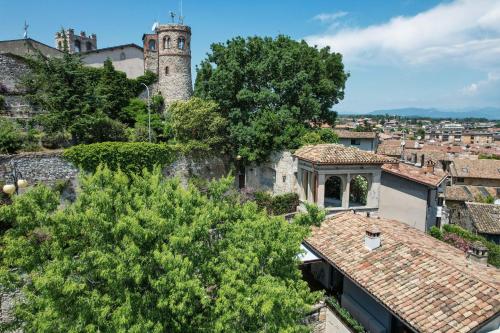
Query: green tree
point(318, 136)
point(143, 254)
point(270, 90)
point(197, 123)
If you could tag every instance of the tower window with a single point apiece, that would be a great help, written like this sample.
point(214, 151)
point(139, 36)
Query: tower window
point(78, 46)
point(59, 45)
point(167, 70)
point(123, 56)
point(152, 45)
point(181, 42)
point(88, 46)
point(166, 42)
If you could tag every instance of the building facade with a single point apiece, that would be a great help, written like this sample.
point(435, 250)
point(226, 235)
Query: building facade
point(127, 58)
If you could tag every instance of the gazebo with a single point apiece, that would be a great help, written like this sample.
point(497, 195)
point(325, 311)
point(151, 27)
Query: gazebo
point(336, 177)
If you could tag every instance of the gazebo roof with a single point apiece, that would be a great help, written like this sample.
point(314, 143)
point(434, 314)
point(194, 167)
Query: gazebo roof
point(332, 154)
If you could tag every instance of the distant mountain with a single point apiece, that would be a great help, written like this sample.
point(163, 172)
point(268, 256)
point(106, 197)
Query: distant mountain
point(487, 112)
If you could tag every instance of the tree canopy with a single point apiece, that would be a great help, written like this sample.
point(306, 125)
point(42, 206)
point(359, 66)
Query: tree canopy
point(142, 254)
point(271, 91)
point(82, 101)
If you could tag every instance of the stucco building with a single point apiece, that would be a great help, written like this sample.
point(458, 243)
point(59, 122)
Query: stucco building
point(367, 141)
point(339, 178)
point(475, 172)
point(128, 58)
point(413, 195)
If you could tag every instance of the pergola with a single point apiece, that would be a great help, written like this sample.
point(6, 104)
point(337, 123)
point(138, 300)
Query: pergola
point(326, 172)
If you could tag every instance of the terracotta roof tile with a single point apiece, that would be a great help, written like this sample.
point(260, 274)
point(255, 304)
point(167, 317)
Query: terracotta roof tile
point(426, 282)
point(339, 154)
point(488, 169)
point(419, 175)
point(485, 217)
point(343, 134)
point(469, 192)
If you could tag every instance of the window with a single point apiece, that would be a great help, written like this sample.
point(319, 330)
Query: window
point(123, 56)
point(78, 46)
point(166, 42)
point(167, 70)
point(180, 43)
point(152, 45)
point(355, 142)
point(59, 45)
point(460, 180)
point(88, 46)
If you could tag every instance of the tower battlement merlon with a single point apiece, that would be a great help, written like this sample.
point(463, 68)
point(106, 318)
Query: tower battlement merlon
point(75, 43)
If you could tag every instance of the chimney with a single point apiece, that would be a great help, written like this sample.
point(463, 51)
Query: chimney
point(429, 168)
point(478, 253)
point(372, 238)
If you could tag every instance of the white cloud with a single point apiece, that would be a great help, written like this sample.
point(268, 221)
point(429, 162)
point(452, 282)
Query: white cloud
point(462, 30)
point(329, 17)
point(477, 87)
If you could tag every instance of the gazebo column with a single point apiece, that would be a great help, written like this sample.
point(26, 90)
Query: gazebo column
point(345, 194)
point(321, 191)
point(310, 184)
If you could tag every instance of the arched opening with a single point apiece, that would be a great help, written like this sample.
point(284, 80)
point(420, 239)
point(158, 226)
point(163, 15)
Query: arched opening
point(59, 45)
point(358, 191)
point(78, 46)
point(88, 46)
point(152, 45)
point(181, 42)
point(166, 42)
point(167, 70)
point(333, 192)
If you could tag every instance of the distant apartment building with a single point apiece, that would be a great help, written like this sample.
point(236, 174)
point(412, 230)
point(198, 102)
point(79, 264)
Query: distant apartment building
point(366, 141)
point(412, 195)
point(475, 172)
point(476, 137)
point(451, 132)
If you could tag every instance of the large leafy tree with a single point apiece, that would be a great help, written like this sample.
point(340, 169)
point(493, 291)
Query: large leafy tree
point(143, 254)
point(271, 90)
point(198, 124)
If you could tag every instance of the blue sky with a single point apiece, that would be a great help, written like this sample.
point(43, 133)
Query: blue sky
point(421, 53)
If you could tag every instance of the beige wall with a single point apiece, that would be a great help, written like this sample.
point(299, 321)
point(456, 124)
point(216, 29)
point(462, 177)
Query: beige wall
point(478, 182)
point(133, 65)
point(403, 200)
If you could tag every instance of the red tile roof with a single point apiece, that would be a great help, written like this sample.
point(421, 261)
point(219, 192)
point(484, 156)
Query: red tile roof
point(425, 282)
point(339, 154)
point(485, 217)
point(486, 169)
point(416, 174)
point(343, 134)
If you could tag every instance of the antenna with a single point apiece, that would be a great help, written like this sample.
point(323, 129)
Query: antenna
point(172, 15)
point(181, 17)
point(26, 26)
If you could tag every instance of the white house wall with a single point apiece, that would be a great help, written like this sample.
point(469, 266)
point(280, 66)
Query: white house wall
point(133, 65)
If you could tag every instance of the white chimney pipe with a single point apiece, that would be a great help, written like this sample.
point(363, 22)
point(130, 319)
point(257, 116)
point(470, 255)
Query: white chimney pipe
point(372, 238)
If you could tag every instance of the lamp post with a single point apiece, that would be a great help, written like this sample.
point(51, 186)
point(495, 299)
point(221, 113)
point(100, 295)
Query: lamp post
point(149, 112)
point(19, 182)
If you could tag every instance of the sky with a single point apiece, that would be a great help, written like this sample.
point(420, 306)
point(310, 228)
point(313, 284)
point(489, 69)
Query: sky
point(407, 53)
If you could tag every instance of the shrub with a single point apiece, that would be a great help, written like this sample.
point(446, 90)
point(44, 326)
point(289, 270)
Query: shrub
point(345, 315)
point(100, 128)
point(279, 204)
point(55, 140)
point(436, 233)
point(11, 137)
point(131, 157)
point(493, 249)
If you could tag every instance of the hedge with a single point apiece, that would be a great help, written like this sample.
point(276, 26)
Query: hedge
point(345, 315)
point(131, 157)
point(279, 204)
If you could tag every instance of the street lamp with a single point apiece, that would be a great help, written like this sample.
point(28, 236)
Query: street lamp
point(19, 182)
point(149, 112)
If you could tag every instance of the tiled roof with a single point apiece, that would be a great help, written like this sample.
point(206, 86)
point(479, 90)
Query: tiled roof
point(485, 217)
point(419, 175)
point(339, 154)
point(489, 169)
point(469, 192)
point(343, 134)
point(427, 283)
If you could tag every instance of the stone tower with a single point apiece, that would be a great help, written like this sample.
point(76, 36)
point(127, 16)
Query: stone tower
point(76, 43)
point(168, 53)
